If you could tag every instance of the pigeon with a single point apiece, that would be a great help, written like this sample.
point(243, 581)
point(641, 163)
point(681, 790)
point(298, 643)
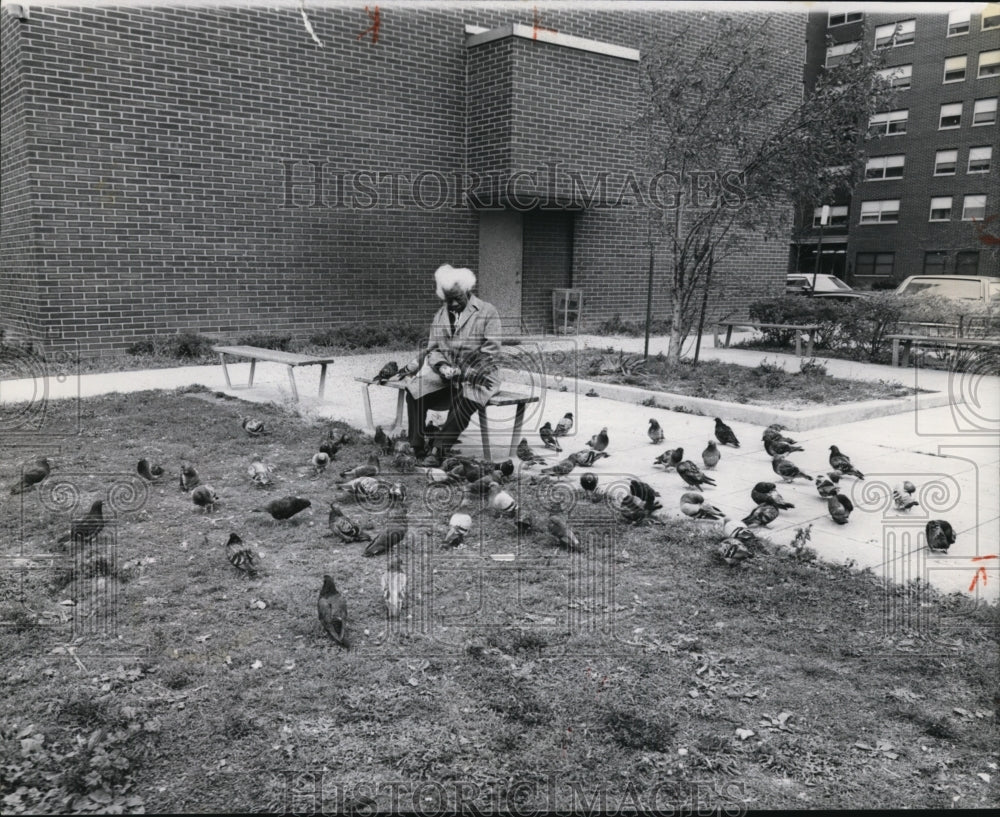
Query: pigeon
point(840, 508)
point(345, 527)
point(940, 535)
point(382, 440)
point(386, 373)
point(86, 528)
point(525, 523)
point(655, 432)
point(670, 458)
point(562, 468)
point(363, 488)
point(773, 432)
point(589, 484)
point(332, 607)
point(404, 463)
point(150, 473)
point(394, 588)
point(548, 437)
point(397, 492)
point(562, 533)
point(733, 552)
point(331, 444)
point(438, 476)
point(189, 476)
point(739, 532)
point(204, 496)
point(402, 447)
point(502, 503)
point(767, 493)
point(692, 475)
point(506, 468)
point(843, 463)
point(372, 468)
point(458, 526)
point(599, 442)
point(902, 496)
point(394, 533)
point(786, 470)
point(526, 455)
point(632, 509)
point(285, 508)
point(694, 505)
point(319, 462)
point(240, 555)
point(762, 515)
point(646, 494)
point(564, 426)
point(253, 427)
point(778, 447)
point(711, 456)
point(35, 473)
point(724, 434)
point(481, 487)
point(259, 473)
point(826, 486)
point(430, 461)
point(587, 458)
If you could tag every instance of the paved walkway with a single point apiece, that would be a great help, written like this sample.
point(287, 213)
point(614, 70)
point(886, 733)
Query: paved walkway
point(951, 453)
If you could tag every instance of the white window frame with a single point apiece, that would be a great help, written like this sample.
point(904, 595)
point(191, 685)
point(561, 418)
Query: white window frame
point(836, 211)
point(879, 207)
point(938, 160)
point(897, 73)
point(890, 34)
point(981, 106)
point(888, 119)
point(841, 51)
point(949, 109)
point(992, 63)
point(975, 202)
point(956, 19)
point(993, 20)
point(941, 202)
point(985, 152)
point(860, 15)
point(883, 164)
point(960, 61)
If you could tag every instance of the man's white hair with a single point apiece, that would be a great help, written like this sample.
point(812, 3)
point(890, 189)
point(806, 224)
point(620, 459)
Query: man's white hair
point(448, 278)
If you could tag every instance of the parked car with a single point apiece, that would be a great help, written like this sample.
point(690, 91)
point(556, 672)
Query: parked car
point(827, 286)
point(978, 289)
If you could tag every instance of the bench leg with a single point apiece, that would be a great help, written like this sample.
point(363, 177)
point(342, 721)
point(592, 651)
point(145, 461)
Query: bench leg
point(322, 379)
point(397, 424)
point(905, 362)
point(366, 396)
point(895, 352)
point(715, 337)
point(225, 370)
point(515, 437)
point(253, 368)
point(809, 342)
point(798, 344)
point(729, 335)
point(291, 379)
point(484, 433)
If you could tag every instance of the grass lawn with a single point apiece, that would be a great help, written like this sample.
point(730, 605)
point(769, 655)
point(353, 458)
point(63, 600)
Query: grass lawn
point(765, 384)
point(640, 668)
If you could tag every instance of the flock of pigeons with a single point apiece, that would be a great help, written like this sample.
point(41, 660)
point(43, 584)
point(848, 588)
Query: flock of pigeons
point(483, 487)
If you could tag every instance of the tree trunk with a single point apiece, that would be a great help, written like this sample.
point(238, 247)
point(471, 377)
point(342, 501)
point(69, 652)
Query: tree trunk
point(676, 321)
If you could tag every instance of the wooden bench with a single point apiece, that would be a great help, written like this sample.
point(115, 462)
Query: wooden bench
point(797, 327)
point(290, 359)
point(929, 329)
point(905, 343)
point(501, 398)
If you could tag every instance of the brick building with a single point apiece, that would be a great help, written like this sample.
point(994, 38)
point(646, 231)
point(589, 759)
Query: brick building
point(228, 169)
point(930, 203)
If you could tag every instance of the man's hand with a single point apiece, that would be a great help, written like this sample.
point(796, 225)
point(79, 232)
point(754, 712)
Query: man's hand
point(447, 372)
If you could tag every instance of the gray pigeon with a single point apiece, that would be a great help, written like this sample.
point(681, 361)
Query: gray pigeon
point(692, 475)
point(842, 463)
point(711, 456)
point(724, 434)
point(655, 432)
point(763, 514)
point(940, 535)
point(787, 470)
point(332, 608)
point(840, 508)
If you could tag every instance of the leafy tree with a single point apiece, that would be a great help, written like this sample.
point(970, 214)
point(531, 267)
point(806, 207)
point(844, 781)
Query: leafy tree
point(740, 153)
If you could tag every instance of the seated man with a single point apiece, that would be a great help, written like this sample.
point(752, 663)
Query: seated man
point(458, 371)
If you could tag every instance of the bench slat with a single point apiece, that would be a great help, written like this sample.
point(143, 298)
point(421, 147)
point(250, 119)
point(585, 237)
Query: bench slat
point(272, 355)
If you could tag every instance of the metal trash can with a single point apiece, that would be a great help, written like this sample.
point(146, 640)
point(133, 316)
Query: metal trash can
point(567, 311)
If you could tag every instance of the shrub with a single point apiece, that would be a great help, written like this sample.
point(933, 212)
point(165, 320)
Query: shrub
point(617, 326)
point(368, 336)
point(187, 345)
point(798, 309)
point(141, 347)
point(812, 368)
point(281, 343)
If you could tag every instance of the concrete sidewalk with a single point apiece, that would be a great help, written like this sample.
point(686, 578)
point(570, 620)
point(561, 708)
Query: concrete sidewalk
point(952, 453)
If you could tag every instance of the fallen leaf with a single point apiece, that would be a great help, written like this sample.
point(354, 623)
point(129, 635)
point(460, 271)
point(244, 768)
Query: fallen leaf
point(203, 638)
point(983, 776)
point(965, 713)
point(743, 734)
point(256, 664)
point(413, 681)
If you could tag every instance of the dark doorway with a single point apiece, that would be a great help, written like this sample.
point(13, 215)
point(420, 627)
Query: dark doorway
point(547, 264)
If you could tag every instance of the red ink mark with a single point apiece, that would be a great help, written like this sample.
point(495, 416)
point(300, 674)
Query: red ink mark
point(981, 572)
point(376, 18)
point(536, 25)
point(984, 236)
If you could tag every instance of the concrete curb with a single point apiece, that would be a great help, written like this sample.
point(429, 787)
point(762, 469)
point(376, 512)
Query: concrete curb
point(793, 420)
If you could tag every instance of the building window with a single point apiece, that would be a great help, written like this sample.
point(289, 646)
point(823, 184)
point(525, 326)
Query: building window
point(958, 22)
point(836, 54)
point(885, 211)
point(837, 217)
point(846, 17)
point(935, 262)
point(895, 34)
point(951, 116)
point(991, 18)
point(967, 262)
point(980, 159)
point(892, 123)
point(874, 264)
point(989, 64)
point(940, 208)
point(900, 77)
point(974, 208)
point(884, 167)
point(954, 69)
point(945, 162)
point(984, 112)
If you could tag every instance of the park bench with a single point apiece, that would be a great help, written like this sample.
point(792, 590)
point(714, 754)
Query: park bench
point(289, 359)
point(501, 398)
point(798, 328)
point(905, 343)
